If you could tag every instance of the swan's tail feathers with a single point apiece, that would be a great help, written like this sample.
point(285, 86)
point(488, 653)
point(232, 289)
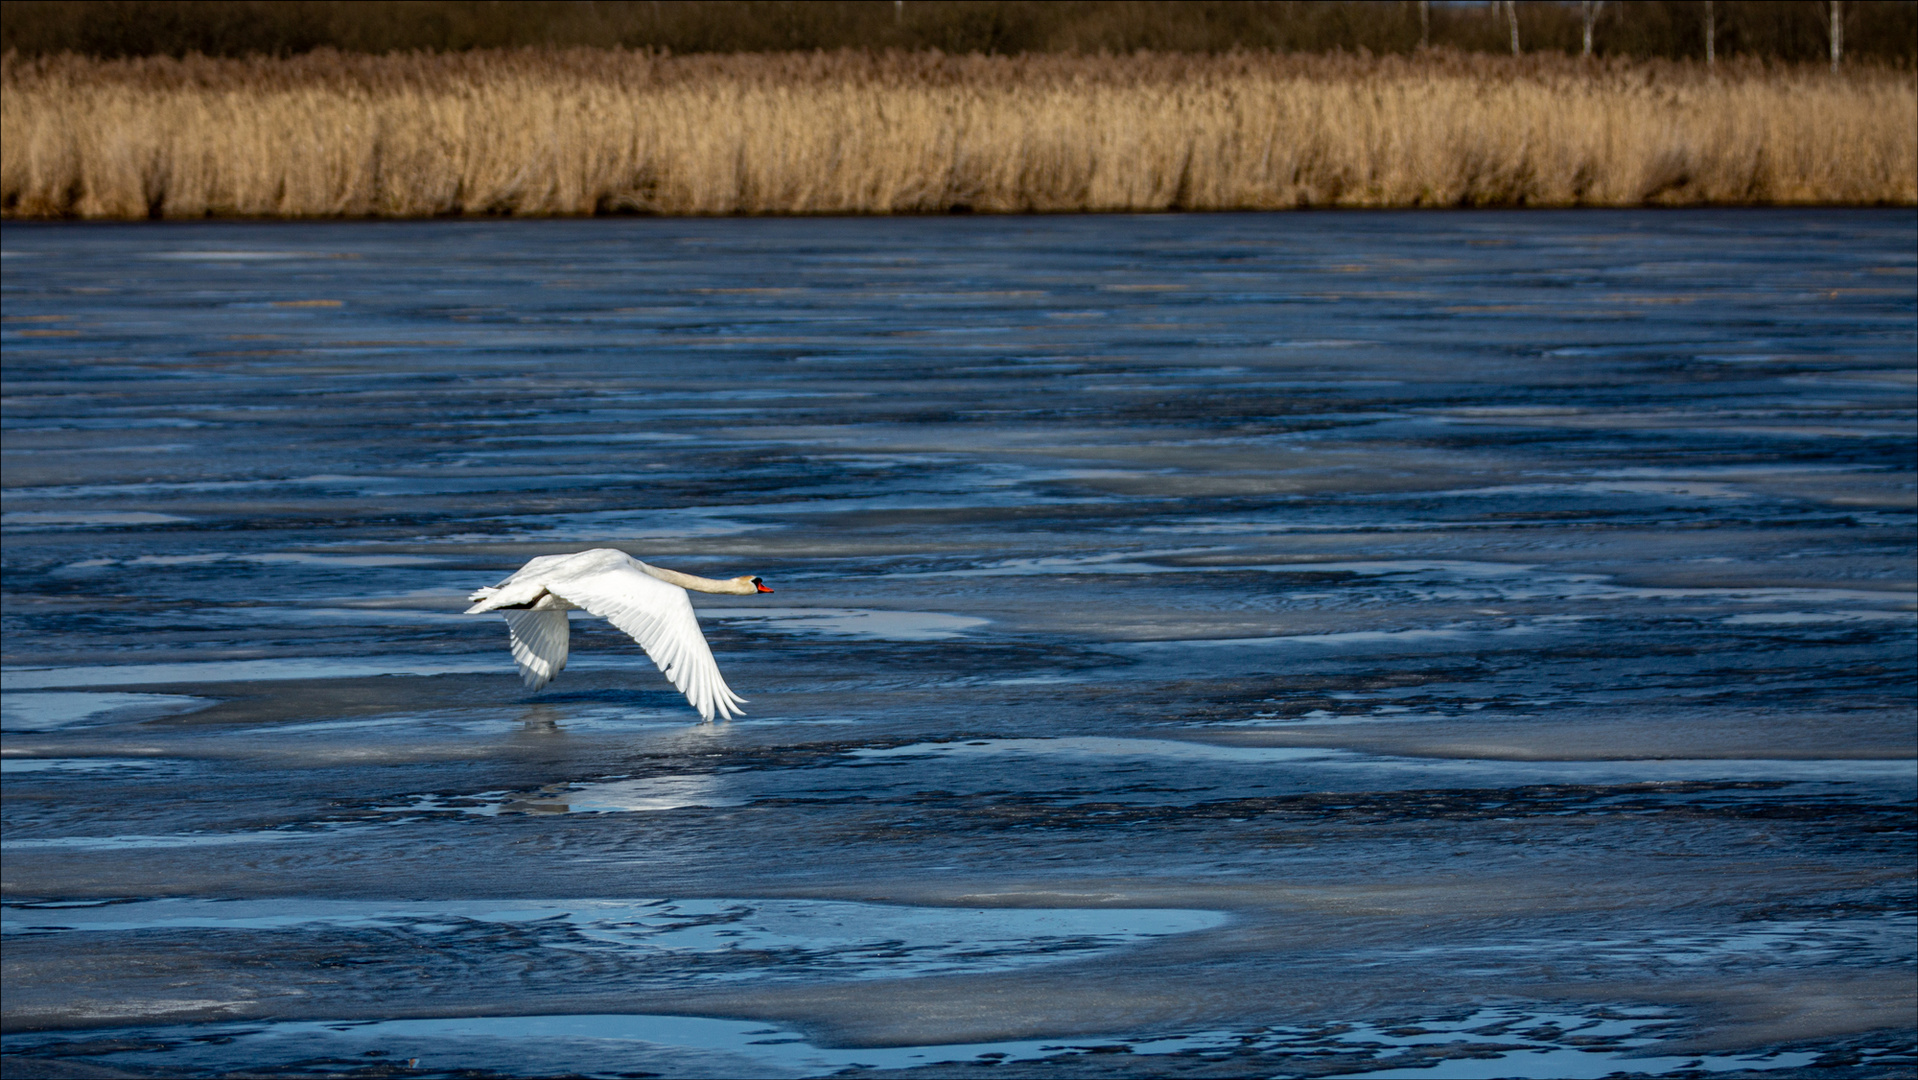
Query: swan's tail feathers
point(512, 594)
point(540, 644)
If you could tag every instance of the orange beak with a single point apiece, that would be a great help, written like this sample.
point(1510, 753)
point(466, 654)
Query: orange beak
point(762, 586)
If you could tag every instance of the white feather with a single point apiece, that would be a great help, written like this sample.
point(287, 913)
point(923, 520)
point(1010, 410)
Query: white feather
point(540, 640)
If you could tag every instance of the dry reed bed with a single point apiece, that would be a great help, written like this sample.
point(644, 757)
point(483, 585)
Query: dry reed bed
point(584, 131)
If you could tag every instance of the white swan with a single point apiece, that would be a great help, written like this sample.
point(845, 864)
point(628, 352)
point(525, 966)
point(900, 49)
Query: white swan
point(648, 602)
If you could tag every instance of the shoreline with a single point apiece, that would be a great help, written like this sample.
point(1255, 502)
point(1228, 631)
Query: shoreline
point(11, 221)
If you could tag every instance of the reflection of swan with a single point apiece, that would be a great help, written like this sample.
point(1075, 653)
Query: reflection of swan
point(645, 601)
point(543, 719)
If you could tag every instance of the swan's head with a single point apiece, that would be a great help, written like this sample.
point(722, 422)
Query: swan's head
point(750, 584)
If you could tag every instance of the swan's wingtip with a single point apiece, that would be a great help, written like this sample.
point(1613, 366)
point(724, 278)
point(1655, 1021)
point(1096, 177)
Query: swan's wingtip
point(724, 710)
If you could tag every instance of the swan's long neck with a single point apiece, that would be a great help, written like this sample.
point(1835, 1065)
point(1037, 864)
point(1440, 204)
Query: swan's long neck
point(699, 584)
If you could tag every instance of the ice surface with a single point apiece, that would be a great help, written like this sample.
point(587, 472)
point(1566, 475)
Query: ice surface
point(1190, 652)
point(26, 711)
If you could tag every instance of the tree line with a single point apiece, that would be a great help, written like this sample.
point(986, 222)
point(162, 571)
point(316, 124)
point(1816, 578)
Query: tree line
point(1791, 31)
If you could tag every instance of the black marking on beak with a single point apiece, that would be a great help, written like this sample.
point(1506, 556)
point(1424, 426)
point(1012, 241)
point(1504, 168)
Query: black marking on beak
point(760, 585)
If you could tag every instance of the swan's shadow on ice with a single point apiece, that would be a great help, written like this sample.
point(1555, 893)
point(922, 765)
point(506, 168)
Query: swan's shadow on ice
point(622, 696)
point(597, 710)
point(540, 719)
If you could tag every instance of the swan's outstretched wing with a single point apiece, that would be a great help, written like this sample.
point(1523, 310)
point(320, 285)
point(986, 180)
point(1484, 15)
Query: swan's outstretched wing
point(539, 644)
point(660, 618)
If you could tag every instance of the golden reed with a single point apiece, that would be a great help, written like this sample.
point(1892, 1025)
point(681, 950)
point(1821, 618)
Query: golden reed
point(546, 132)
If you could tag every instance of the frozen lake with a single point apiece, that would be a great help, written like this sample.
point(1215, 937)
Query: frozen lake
point(1439, 645)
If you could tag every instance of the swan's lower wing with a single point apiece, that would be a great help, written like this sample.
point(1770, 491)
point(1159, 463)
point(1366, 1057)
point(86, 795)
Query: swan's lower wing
point(660, 618)
point(540, 640)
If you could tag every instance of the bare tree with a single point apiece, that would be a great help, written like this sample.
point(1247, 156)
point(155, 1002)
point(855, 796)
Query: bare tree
point(1511, 14)
point(1425, 24)
point(1711, 36)
point(1588, 11)
point(1837, 33)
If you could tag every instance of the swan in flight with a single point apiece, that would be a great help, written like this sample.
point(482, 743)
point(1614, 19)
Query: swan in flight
point(648, 602)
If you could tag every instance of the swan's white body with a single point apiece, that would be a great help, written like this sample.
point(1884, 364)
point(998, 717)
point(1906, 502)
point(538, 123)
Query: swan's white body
point(648, 602)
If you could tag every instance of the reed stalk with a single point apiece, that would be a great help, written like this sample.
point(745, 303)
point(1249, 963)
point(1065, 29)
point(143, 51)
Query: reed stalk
point(573, 132)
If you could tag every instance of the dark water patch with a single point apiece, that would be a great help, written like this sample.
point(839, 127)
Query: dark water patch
point(1699, 800)
point(1498, 1040)
point(657, 943)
